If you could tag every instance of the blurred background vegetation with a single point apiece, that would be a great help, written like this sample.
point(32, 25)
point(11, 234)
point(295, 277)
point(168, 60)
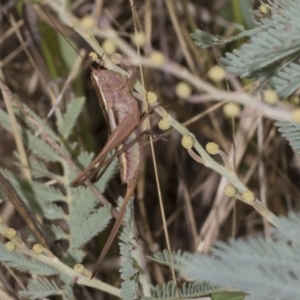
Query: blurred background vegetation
point(184, 183)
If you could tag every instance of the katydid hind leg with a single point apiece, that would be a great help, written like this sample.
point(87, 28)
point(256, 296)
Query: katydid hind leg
point(86, 173)
point(118, 136)
point(129, 193)
point(119, 152)
point(97, 175)
point(148, 113)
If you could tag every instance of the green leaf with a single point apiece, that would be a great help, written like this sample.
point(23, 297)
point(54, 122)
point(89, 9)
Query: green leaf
point(206, 40)
point(82, 206)
point(68, 293)
point(39, 205)
point(41, 149)
point(56, 232)
point(168, 291)
point(77, 254)
point(4, 121)
point(15, 183)
point(108, 174)
point(40, 288)
point(258, 252)
point(290, 131)
point(287, 80)
point(24, 264)
point(89, 228)
point(70, 117)
point(38, 168)
point(46, 192)
point(85, 158)
point(129, 270)
point(229, 296)
point(273, 52)
point(41, 122)
point(251, 266)
point(246, 6)
point(34, 143)
point(288, 229)
point(242, 276)
point(67, 51)
point(129, 290)
point(52, 211)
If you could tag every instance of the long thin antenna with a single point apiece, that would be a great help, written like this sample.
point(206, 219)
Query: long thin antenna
point(57, 28)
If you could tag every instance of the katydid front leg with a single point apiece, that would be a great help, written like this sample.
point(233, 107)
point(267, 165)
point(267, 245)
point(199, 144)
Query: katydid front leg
point(118, 136)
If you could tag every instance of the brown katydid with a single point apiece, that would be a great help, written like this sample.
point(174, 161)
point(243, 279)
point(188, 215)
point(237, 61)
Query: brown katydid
point(123, 117)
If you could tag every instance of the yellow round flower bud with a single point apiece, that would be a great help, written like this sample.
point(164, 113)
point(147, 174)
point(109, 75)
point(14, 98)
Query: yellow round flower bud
point(230, 191)
point(217, 73)
point(88, 22)
point(10, 246)
point(157, 58)
point(296, 115)
point(248, 196)
point(10, 233)
point(151, 98)
point(270, 96)
point(116, 58)
point(183, 90)
point(37, 248)
point(187, 141)
point(212, 148)
point(264, 8)
point(79, 268)
point(93, 56)
point(1, 220)
point(139, 38)
point(164, 124)
point(231, 110)
point(109, 46)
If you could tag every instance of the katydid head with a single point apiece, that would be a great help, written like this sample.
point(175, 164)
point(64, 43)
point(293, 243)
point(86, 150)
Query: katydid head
point(107, 79)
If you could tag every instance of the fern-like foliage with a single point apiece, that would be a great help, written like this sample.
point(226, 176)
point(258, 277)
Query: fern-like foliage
point(41, 149)
point(275, 255)
point(38, 169)
point(206, 40)
point(82, 220)
point(129, 271)
point(290, 131)
point(41, 288)
point(257, 295)
point(253, 266)
point(287, 79)
point(89, 228)
point(170, 291)
point(40, 122)
point(273, 45)
point(69, 119)
point(289, 228)
point(56, 232)
point(23, 264)
point(272, 55)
